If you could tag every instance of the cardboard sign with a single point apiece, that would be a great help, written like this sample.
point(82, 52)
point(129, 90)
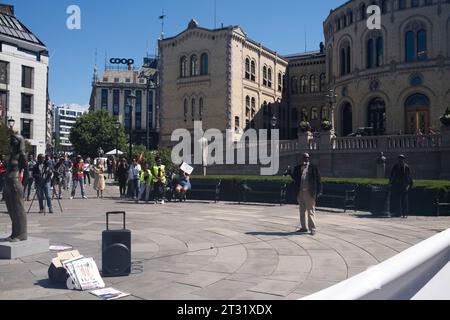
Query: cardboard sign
point(186, 168)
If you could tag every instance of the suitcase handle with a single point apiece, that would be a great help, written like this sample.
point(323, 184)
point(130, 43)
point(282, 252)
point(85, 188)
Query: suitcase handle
point(115, 212)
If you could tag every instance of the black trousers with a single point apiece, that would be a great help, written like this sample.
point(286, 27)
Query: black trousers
point(401, 201)
point(158, 191)
point(122, 185)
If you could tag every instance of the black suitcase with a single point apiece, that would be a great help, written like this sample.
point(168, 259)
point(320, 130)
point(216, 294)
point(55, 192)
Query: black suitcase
point(116, 250)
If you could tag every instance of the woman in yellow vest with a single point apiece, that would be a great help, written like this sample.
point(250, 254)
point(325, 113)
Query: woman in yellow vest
point(146, 183)
point(159, 180)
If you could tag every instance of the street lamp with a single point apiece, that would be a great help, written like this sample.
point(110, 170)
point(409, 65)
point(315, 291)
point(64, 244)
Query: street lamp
point(130, 101)
point(11, 123)
point(332, 98)
point(117, 125)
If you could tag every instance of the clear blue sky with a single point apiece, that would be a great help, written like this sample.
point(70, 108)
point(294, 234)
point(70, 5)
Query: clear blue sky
point(126, 29)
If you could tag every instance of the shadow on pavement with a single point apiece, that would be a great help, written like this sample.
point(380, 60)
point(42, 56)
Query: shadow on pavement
point(277, 234)
point(47, 284)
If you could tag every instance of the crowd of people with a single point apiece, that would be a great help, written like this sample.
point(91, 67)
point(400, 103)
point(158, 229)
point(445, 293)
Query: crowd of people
point(49, 177)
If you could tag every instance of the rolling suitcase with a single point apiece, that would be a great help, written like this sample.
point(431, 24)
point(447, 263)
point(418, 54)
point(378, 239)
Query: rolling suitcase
point(116, 249)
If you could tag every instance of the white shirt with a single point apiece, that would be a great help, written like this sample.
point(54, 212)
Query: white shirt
point(304, 178)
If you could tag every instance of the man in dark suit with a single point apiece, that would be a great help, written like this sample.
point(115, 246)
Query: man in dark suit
point(308, 186)
point(401, 182)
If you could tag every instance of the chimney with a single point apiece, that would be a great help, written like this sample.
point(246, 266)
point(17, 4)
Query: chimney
point(7, 9)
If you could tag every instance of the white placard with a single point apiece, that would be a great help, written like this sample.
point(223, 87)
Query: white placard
point(186, 168)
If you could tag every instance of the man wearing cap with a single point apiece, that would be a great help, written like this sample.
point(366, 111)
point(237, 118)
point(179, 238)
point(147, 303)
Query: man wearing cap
point(401, 182)
point(308, 185)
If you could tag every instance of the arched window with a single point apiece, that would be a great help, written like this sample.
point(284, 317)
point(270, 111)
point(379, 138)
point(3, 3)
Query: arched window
point(344, 20)
point(417, 109)
point(200, 108)
point(253, 71)
point(401, 4)
point(409, 46)
point(323, 82)
point(377, 116)
point(247, 106)
point(185, 109)
point(313, 84)
point(345, 58)
point(421, 45)
point(294, 85)
point(204, 64)
point(253, 107)
point(346, 119)
point(265, 76)
point(350, 17)
point(314, 113)
point(374, 51)
point(370, 54)
point(269, 77)
point(363, 11)
point(324, 113)
point(280, 82)
point(194, 65)
point(384, 6)
point(183, 67)
point(380, 51)
point(193, 109)
point(304, 84)
point(416, 44)
point(247, 69)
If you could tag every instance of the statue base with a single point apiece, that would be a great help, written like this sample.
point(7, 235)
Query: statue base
point(15, 250)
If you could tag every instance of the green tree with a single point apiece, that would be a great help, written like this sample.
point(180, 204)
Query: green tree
point(94, 130)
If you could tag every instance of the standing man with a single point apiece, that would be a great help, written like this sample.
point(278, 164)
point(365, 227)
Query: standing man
point(67, 177)
point(42, 173)
point(134, 179)
point(78, 177)
point(28, 183)
point(159, 180)
point(401, 182)
point(308, 185)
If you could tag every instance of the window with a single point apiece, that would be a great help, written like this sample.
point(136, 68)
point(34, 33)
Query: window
point(384, 6)
point(265, 76)
point(200, 108)
point(247, 69)
point(416, 46)
point(253, 71)
point(377, 116)
point(116, 102)
point(350, 17)
point(314, 113)
point(421, 45)
point(414, 3)
point(237, 123)
point(194, 65)
point(104, 102)
point(313, 84)
point(430, 2)
point(116, 80)
point(253, 107)
point(363, 11)
point(370, 54)
point(3, 103)
point(294, 85)
point(185, 109)
point(138, 112)
point(26, 103)
point(409, 46)
point(401, 4)
point(269, 77)
point(280, 82)
point(127, 80)
point(345, 58)
point(27, 128)
point(303, 84)
point(128, 115)
point(323, 82)
point(27, 77)
point(150, 96)
point(247, 106)
point(193, 109)
point(204, 64)
point(183, 67)
point(324, 114)
point(379, 47)
point(4, 72)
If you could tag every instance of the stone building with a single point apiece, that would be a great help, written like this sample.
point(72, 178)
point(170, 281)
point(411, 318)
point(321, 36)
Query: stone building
point(222, 78)
point(397, 79)
point(23, 79)
point(110, 92)
point(308, 88)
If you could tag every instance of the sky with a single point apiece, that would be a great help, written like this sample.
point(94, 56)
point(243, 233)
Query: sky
point(130, 29)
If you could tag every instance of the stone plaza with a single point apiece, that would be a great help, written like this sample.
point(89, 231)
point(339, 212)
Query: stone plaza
point(202, 250)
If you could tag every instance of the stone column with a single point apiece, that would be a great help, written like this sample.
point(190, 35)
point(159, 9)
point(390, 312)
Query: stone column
point(445, 153)
point(303, 140)
point(327, 140)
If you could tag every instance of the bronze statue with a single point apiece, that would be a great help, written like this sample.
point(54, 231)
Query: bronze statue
point(13, 192)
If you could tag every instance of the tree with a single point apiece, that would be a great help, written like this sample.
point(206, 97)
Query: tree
point(94, 130)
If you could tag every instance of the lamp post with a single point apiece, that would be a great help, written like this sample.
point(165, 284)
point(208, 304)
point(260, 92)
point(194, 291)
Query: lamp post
point(130, 101)
point(117, 125)
point(332, 98)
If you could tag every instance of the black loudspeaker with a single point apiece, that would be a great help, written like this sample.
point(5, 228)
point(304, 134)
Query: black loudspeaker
point(116, 250)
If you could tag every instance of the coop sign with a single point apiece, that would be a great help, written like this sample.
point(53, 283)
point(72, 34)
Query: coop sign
point(121, 61)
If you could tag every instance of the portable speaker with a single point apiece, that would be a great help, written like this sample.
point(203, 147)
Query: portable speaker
point(116, 250)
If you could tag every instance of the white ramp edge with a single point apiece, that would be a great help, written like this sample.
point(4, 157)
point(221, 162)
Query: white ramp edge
point(398, 278)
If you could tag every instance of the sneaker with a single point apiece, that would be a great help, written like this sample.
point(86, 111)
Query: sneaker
point(313, 232)
point(162, 201)
point(50, 211)
point(302, 230)
point(41, 211)
point(71, 198)
point(84, 197)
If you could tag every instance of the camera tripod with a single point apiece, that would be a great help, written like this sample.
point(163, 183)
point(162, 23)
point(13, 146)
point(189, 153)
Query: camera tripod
point(34, 198)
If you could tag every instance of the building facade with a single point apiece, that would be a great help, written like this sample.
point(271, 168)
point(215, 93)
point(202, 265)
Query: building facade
point(111, 90)
point(308, 87)
point(397, 79)
point(64, 119)
point(222, 78)
point(23, 79)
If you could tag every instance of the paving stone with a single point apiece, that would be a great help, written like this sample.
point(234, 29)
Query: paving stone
point(275, 287)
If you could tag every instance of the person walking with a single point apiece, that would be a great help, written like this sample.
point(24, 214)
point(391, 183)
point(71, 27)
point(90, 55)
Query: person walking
point(146, 183)
point(42, 173)
point(2, 174)
point(68, 175)
point(159, 180)
point(28, 183)
point(58, 178)
point(308, 187)
point(99, 182)
point(401, 182)
point(87, 171)
point(122, 174)
point(78, 177)
point(109, 166)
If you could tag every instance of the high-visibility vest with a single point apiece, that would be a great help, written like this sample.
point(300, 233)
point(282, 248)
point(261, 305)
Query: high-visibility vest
point(160, 172)
point(150, 177)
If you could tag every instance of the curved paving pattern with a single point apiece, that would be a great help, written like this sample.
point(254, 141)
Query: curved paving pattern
point(200, 250)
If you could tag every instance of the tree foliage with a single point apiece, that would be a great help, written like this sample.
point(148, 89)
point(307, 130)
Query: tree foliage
point(94, 130)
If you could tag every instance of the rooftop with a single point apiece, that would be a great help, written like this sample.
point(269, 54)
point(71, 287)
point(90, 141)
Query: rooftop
point(10, 26)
